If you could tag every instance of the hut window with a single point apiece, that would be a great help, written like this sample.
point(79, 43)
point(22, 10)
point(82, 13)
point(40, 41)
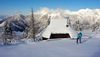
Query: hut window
point(66, 25)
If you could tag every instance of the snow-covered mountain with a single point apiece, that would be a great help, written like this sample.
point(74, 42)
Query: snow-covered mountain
point(86, 17)
point(4, 16)
point(18, 22)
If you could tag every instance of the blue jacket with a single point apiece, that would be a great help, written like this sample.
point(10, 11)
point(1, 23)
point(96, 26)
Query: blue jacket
point(79, 35)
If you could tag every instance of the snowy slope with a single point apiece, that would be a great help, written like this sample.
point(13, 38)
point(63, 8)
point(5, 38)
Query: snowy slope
point(57, 48)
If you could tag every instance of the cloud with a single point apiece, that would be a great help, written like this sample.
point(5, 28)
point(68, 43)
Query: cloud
point(17, 11)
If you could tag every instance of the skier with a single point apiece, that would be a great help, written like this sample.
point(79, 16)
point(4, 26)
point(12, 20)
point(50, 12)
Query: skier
point(79, 37)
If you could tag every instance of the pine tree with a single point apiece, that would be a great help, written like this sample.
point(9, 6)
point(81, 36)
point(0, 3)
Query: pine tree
point(9, 30)
point(3, 33)
point(26, 33)
point(48, 21)
point(78, 26)
point(95, 27)
point(7, 33)
point(32, 27)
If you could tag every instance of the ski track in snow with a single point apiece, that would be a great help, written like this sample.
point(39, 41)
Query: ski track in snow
point(57, 48)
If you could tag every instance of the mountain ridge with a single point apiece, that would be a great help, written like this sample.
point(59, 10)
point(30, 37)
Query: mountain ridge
point(85, 17)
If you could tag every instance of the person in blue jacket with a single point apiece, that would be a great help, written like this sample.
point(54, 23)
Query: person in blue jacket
point(79, 36)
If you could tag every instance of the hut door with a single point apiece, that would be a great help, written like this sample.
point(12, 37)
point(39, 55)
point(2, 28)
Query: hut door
point(59, 36)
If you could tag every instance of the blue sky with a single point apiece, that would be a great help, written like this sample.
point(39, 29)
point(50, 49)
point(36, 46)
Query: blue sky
point(13, 7)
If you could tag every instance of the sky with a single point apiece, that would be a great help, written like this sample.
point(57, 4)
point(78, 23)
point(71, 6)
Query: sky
point(12, 7)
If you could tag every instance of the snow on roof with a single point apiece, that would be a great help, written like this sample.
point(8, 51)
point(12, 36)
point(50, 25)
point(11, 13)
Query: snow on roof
point(58, 26)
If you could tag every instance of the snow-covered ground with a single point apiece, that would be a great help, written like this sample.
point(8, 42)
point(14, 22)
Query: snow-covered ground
point(55, 48)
